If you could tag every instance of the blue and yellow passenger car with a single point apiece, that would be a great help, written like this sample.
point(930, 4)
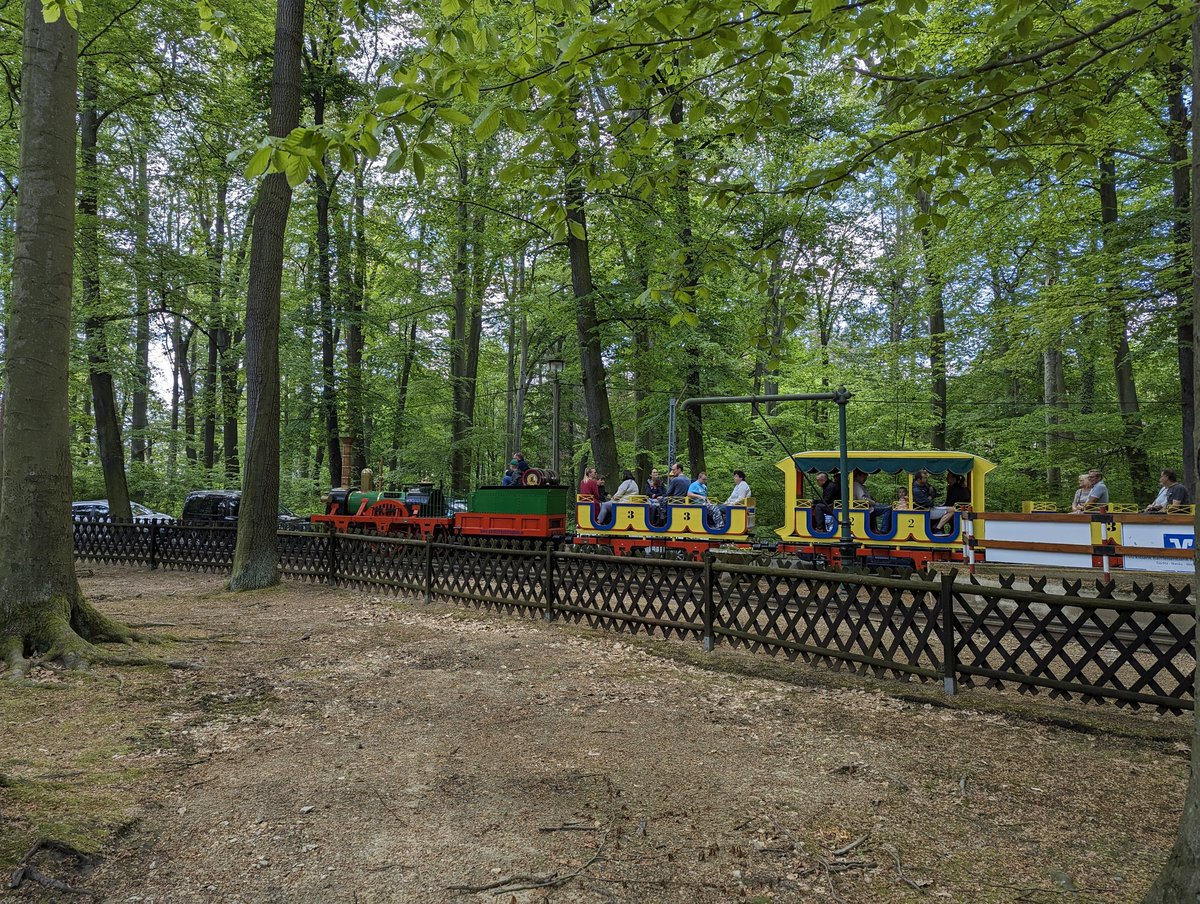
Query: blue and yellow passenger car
point(674, 526)
point(904, 534)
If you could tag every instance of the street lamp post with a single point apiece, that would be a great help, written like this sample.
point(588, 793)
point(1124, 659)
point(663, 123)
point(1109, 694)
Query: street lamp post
point(555, 366)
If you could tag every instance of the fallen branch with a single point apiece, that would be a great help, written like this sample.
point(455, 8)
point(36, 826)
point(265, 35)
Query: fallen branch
point(501, 883)
point(900, 870)
point(843, 851)
point(27, 871)
point(568, 827)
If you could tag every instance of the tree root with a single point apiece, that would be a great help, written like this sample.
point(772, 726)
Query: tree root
point(12, 649)
point(27, 871)
point(73, 641)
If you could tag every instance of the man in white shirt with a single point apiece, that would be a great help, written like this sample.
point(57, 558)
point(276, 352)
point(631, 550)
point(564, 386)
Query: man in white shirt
point(741, 489)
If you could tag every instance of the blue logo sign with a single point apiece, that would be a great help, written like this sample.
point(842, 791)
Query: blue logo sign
point(1179, 541)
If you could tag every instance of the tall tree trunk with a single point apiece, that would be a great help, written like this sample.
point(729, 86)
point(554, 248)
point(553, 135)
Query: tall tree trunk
point(41, 606)
point(1052, 380)
point(1054, 391)
point(1118, 333)
point(187, 376)
point(139, 449)
point(690, 278)
point(173, 441)
point(1180, 878)
point(355, 311)
point(256, 559)
point(329, 403)
point(523, 379)
point(936, 305)
point(466, 330)
point(232, 335)
point(587, 326)
point(410, 353)
point(214, 241)
point(1181, 200)
point(510, 373)
point(104, 399)
point(643, 397)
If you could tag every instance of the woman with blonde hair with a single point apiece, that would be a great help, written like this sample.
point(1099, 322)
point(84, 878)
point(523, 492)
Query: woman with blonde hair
point(1081, 494)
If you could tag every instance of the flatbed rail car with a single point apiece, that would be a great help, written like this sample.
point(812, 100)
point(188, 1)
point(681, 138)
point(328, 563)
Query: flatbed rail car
point(905, 537)
point(678, 527)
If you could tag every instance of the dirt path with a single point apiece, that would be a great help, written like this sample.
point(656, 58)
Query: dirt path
point(339, 747)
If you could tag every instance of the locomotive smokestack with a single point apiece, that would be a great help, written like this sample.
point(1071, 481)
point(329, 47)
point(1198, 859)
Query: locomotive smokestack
point(347, 448)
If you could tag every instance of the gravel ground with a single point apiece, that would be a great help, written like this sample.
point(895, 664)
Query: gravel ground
point(340, 747)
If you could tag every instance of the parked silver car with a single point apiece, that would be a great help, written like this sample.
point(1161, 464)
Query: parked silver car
point(98, 508)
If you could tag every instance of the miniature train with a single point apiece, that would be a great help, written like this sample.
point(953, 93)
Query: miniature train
point(1112, 537)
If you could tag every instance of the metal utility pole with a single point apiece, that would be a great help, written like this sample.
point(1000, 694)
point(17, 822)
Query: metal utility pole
point(841, 397)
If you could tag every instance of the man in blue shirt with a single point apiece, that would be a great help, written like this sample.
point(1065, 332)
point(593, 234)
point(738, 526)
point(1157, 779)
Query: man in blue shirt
point(680, 482)
point(698, 490)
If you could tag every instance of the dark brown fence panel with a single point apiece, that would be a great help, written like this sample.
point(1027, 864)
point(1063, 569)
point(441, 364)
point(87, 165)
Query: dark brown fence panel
point(196, 548)
point(1135, 652)
point(488, 576)
point(308, 554)
point(630, 594)
point(102, 540)
point(369, 562)
point(863, 623)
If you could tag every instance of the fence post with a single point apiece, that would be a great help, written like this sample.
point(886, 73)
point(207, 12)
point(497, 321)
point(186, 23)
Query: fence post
point(429, 570)
point(946, 629)
point(708, 601)
point(153, 545)
point(548, 584)
point(331, 561)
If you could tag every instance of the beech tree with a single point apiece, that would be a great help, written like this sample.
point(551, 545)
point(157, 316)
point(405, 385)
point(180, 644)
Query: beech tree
point(42, 609)
point(256, 558)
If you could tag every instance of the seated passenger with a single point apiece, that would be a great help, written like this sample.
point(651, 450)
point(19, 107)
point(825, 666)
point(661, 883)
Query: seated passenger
point(823, 511)
point(509, 478)
point(1081, 494)
point(902, 498)
point(678, 486)
point(1098, 492)
point(880, 514)
point(741, 489)
point(924, 495)
point(606, 503)
point(1172, 492)
point(956, 494)
point(521, 463)
point(627, 488)
point(654, 486)
point(698, 493)
point(588, 486)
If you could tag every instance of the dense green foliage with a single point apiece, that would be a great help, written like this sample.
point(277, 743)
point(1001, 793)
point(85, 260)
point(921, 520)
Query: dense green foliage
point(776, 198)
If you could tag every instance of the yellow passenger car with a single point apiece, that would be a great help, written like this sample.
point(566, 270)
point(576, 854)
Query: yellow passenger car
point(900, 532)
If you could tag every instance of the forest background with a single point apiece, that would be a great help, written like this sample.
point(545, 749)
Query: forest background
point(973, 215)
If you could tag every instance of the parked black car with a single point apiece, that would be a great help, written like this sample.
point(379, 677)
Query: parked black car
point(220, 507)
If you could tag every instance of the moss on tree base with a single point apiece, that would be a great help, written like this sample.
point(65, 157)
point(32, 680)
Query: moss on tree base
point(68, 632)
point(255, 574)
